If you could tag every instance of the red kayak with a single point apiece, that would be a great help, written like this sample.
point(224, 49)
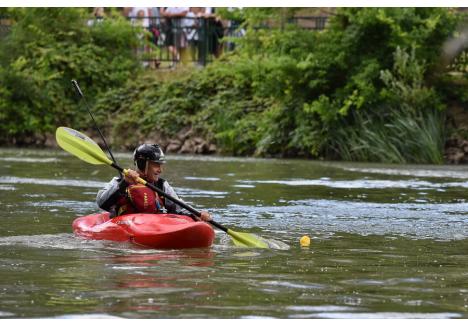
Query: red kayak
point(159, 231)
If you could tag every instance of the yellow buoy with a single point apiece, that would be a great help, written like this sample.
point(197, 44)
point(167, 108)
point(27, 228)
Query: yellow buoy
point(305, 241)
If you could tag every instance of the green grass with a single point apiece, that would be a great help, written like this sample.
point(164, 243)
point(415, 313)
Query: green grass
point(402, 138)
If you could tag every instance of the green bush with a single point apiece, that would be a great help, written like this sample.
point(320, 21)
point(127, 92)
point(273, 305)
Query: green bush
point(290, 92)
point(345, 68)
point(348, 92)
point(46, 48)
point(216, 102)
point(407, 128)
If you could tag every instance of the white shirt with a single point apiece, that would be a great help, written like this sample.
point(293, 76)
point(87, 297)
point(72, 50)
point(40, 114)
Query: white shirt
point(140, 21)
point(176, 10)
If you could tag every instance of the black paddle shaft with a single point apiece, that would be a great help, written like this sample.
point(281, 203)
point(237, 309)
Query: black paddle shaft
point(175, 200)
point(80, 93)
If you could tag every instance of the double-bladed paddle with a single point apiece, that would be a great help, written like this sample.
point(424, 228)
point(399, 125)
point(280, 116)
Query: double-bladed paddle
point(83, 147)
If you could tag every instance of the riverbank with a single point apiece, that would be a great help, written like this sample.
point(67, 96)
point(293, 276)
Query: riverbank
point(456, 145)
point(186, 142)
point(370, 99)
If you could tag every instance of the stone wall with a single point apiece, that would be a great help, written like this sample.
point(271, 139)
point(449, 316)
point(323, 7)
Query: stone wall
point(186, 141)
point(456, 147)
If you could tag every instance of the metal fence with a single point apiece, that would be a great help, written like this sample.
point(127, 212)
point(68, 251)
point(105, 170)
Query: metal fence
point(168, 42)
point(165, 43)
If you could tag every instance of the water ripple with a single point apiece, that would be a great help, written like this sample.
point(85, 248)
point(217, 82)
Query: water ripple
point(363, 183)
point(7, 187)
point(201, 193)
point(82, 207)
point(379, 315)
point(415, 173)
point(294, 285)
point(53, 182)
point(202, 179)
point(86, 316)
point(29, 159)
point(429, 220)
point(320, 308)
point(58, 241)
point(6, 314)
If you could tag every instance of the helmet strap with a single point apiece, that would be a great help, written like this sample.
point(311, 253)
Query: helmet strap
point(146, 168)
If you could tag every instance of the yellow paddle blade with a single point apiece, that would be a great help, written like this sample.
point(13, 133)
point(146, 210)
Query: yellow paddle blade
point(81, 146)
point(242, 239)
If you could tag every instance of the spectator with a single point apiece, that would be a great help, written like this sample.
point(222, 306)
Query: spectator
point(155, 16)
point(210, 31)
point(155, 29)
point(140, 20)
point(98, 16)
point(215, 31)
point(191, 26)
point(140, 17)
point(175, 37)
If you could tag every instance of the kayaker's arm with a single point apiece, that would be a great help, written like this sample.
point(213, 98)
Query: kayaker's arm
point(108, 197)
point(176, 209)
point(171, 207)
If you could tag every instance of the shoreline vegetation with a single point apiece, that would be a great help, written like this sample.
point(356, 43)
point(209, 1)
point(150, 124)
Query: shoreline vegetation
point(377, 85)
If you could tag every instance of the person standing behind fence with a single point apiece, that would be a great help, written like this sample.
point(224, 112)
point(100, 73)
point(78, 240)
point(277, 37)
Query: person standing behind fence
point(140, 18)
point(191, 23)
point(209, 32)
point(215, 31)
point(191, 26)
point(143, 19)
point(175, 36)
point(155, 25)
point(98, 16)
point(140, 22)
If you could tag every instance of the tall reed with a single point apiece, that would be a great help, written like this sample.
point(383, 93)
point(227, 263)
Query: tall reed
point(404, 138)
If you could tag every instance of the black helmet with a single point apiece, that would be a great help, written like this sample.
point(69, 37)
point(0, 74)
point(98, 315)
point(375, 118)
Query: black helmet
point(148, 152)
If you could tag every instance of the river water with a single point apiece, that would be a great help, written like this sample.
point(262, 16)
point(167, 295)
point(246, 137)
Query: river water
point(388, 241)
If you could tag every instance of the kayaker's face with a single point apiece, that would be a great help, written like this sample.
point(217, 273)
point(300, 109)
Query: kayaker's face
point(153, 172)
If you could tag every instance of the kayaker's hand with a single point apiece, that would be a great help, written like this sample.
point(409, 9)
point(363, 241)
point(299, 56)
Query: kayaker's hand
point(131, 177)
point(205, 216)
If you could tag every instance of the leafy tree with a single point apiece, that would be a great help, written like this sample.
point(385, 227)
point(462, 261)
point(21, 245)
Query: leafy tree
point(288, 91)
point(47, 47)
point(356, 90)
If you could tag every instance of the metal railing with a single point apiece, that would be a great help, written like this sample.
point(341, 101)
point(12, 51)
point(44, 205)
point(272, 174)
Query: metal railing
point(173, 41)
point(165, 43)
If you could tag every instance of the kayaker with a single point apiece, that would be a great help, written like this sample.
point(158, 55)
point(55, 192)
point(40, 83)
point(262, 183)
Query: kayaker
point(125, 195)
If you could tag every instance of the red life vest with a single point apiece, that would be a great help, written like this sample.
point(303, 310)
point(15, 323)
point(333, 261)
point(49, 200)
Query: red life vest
point(140, 199)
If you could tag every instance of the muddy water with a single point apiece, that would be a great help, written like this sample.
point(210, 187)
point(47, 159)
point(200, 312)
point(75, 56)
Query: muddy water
point(388, 241)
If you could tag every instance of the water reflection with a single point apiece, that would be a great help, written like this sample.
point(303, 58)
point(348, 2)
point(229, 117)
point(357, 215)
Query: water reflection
point(197, 257)
point(157, 276)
